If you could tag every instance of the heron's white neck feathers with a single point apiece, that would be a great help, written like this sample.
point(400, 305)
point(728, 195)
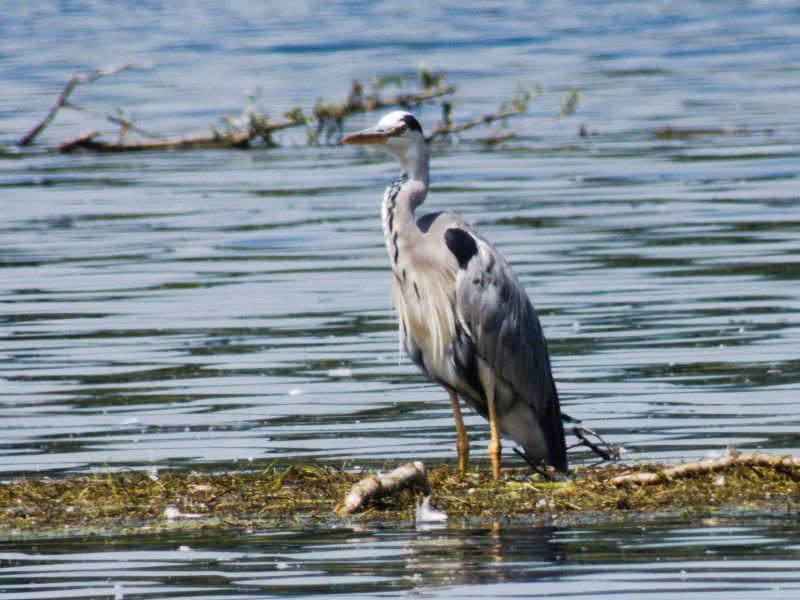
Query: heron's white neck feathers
point(413, 159)
point(422, 291)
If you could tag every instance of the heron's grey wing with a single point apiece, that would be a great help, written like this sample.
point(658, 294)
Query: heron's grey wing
point(506, 331)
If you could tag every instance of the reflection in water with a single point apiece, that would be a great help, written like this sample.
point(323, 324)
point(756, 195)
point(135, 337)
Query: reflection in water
point(479, 555)
point(731, 558)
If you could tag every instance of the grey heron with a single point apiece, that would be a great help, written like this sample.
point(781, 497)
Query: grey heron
point(465, 318)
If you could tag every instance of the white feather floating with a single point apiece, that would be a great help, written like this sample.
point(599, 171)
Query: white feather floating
point(426, 514)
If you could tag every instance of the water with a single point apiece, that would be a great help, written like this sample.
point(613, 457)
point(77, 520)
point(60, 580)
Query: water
point(217, 309)
point(715, 558)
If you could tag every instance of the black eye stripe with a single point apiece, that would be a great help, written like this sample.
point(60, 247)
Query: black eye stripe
point(412, 123)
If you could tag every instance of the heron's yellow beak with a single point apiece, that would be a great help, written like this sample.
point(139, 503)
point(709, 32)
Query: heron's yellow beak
point(373, 135)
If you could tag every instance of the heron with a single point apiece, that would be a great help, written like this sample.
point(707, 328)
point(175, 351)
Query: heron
point(465, 318)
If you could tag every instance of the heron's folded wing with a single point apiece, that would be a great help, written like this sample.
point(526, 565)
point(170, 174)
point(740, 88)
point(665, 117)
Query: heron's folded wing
point(507, 334)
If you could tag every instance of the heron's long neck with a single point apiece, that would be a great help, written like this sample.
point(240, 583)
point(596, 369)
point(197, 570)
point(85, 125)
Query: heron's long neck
point(406, 193)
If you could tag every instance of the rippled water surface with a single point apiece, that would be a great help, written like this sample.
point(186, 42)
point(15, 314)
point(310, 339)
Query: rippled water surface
point(745, 558)
point(217, 308)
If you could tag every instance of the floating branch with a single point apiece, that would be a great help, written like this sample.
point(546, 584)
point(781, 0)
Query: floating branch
point(330, 117)
point(62, 99)
point(444, 129)
point(569, 103)
point(324, 124)
point(516, 107)
point(787, 464)
point(410, 475)
point(229, 139)
point(670, 133)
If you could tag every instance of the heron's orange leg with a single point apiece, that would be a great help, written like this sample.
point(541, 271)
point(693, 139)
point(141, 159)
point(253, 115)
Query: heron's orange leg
point(462, 441)
point(488, 381)
point(494, 445)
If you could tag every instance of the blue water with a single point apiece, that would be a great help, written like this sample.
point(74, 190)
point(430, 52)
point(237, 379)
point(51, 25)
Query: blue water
point(216, 308)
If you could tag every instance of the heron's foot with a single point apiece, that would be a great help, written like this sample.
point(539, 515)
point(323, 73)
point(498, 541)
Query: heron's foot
point(494, 454)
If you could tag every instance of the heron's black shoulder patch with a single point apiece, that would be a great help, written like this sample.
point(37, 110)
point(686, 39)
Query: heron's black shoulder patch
point(462, 245)
point(425, 221)
point(412, 123)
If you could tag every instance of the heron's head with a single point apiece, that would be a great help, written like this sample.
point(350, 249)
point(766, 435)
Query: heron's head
point(400, 133)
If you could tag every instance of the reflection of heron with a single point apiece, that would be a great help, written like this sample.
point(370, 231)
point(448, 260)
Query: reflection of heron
point(464, 316)
point(468, 555)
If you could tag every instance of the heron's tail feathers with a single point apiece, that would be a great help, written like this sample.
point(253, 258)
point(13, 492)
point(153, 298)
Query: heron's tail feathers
point(552, 426)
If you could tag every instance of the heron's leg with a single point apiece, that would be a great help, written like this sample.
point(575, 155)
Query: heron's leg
point(462, 441)
point(486, 375)
point(494, 446)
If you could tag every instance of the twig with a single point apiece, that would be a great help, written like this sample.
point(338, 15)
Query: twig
point(444, 129)
point(788, 464)
point(374, 488)
point(524, 456)
point(78, 141)
point(611, 453)
point(568, 104)
point(76, 79)
point(124, 123)
point(333, 115)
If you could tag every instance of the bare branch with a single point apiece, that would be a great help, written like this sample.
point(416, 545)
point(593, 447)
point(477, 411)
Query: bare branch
point(331, 116)
point(76, 79)
point(325, 121)
point(788, 464)
point(120, 120)
point(610, 453)
point(443, 129)
point(231, 139)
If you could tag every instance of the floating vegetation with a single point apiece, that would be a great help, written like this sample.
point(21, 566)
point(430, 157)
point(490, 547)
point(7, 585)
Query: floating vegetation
point(671, 133)
point(313, 494)
point(324, 124)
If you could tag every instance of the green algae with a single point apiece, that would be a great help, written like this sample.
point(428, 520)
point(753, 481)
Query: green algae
point(309, 494)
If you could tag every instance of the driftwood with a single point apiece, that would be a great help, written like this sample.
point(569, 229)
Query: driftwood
point(62, 99)
point(671, 133)
point(87, 141)
point(373, 487)
point(325, 123)
point(788, 464)
point(259, 127)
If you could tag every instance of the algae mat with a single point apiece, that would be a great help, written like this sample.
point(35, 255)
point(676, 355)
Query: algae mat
point(144, 501)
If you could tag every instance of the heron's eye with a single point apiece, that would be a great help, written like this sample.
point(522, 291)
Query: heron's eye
point(402, 129)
